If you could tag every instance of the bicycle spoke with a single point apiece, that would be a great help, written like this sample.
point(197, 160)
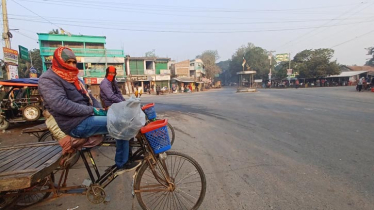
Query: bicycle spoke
point(160, 201)
point(187, 176)
point(179, 168)
point(181, 202)
point(186, 194)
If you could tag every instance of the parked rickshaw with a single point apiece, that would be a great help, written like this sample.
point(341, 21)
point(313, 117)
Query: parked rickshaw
point(19, 101)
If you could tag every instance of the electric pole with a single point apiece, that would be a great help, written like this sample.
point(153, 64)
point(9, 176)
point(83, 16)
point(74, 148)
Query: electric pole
point(5, 24)
point(6, 33)
point(270, 58)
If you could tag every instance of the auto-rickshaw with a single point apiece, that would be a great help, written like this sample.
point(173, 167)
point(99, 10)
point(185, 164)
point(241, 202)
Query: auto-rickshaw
point(19, 101)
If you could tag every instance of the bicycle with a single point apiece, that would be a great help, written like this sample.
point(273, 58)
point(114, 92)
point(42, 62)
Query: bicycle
point(165, 179)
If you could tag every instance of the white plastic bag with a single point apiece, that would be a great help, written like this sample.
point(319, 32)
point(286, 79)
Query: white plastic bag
point(125, 119)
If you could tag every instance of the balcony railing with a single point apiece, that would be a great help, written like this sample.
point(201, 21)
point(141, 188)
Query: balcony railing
point(47, 51)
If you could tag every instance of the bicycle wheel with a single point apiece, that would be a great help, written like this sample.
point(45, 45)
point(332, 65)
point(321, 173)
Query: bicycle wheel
point(46, 136)
point(31, 199)
point(171, 134)
point(187, 176)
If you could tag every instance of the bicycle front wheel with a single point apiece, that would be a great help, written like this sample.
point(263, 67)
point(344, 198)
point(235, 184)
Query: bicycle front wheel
point(187, 177)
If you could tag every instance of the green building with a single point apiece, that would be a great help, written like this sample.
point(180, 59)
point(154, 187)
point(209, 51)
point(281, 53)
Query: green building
point(92, 56)
point(148, 71)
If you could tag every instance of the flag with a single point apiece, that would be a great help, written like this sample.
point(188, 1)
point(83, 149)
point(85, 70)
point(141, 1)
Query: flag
point(244, 61)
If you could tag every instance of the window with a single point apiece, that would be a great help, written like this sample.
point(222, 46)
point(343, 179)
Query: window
point(74, 44)
point(51, 43)
point(95, 45)
point(149, 65)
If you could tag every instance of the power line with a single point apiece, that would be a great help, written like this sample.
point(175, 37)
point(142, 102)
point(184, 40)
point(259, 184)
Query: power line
point(352, 39)
point(191, 32)
point(142, 10)
point(353, 12)
point(26, 36)
point(303, 35)
point(188, 8)
point(191, 23)
point(36, 14)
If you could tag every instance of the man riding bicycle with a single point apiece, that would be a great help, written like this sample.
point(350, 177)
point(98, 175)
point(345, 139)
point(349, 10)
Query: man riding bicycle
point(76, 112)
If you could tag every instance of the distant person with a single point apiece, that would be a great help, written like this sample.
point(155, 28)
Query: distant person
point(359, 84)
point(297, 84)
point(158, 89)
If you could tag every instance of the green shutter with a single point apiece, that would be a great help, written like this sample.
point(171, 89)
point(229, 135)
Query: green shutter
point(137, 67)
point(140, 67)
point(161, 66)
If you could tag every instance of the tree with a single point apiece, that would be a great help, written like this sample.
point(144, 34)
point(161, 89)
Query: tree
point(54, 31)
point(24, 66)
point(225, 74)
point(209, 58)
point(315, 63)
point(370, 62)
point(257, 59)
point(151, 53)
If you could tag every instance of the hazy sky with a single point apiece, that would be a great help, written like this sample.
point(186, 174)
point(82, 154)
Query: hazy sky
point(183, 29)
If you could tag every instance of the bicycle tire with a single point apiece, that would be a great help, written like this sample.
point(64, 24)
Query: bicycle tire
point(172, 196)
point(45, 137)
point(172, 133)
point(31, 197)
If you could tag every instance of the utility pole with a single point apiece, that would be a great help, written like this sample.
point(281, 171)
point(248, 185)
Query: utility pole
point(6, 32)
point(5, 24)
point(270, 58)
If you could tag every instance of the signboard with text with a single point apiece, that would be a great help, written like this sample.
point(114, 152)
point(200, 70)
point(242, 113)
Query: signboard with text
point(282, 57)
point(24, 53)
point(90, 81)
point(13, 71)
point(10, 56)
point(289, 72)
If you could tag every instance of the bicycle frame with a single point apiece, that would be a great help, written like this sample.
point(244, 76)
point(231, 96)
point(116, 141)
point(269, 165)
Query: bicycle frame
point(105, 179)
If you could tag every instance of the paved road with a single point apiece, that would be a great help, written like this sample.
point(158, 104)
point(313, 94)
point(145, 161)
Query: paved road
point(274, 149)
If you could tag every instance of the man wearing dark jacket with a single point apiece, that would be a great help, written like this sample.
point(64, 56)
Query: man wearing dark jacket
point(109, 91)
point(76, 112)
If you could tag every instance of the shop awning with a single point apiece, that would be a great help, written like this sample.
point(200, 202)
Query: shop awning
point(181, 79)
point(348, 74)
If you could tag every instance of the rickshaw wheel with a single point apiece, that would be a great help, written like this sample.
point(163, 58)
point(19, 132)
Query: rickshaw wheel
point(3, 124)
point(8, 202)
point(31, 113)
point(31, 199)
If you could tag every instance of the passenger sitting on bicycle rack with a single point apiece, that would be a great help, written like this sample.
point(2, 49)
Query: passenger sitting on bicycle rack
point(76, 112)
point(109, 91)
point(110, 94)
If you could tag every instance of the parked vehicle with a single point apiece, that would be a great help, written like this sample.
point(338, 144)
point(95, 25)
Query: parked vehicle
point(19, 102)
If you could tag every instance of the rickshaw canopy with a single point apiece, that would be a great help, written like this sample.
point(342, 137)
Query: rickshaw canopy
point(21, 82)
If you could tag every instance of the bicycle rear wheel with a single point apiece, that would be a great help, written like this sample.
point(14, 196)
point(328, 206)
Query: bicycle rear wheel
point(187, 176)
point(171, 134)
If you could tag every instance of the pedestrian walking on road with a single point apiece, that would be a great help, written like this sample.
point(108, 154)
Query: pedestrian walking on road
point(359, 84)
point(297, 84)
point(158, 89)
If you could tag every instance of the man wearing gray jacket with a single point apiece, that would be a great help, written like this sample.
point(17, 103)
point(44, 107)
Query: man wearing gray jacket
point(76, 112)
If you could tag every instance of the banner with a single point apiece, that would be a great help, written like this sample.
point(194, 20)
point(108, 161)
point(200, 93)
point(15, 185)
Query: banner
point(289, 72)
point(13, 71)
point(10, 56)
point(282, 57)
